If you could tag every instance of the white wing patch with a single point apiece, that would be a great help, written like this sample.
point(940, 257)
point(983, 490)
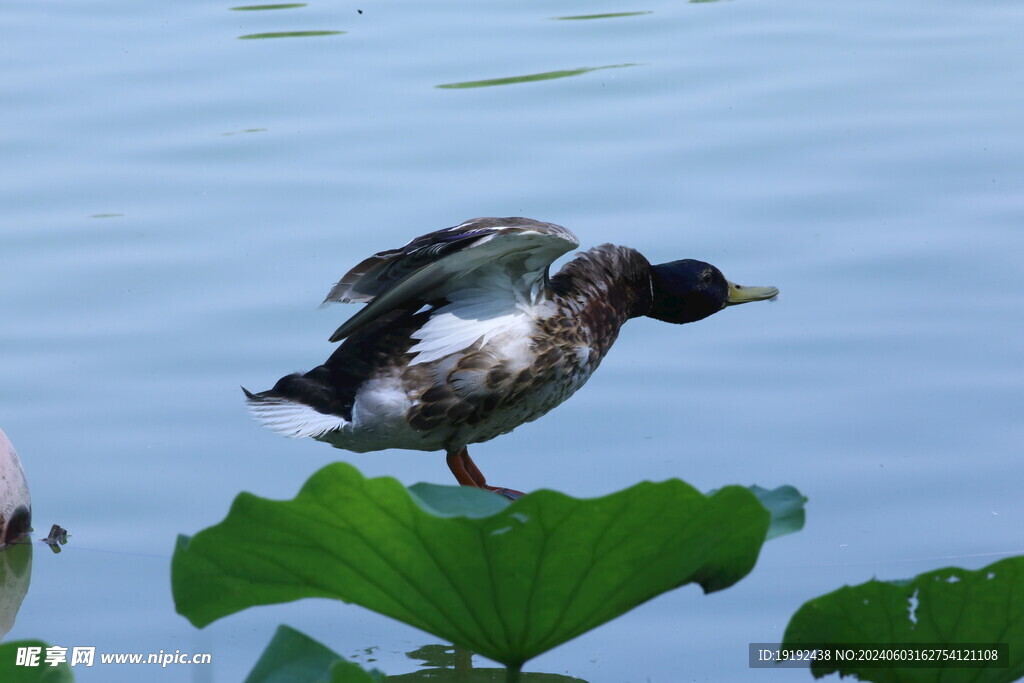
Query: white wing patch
point(494, 305)
point(293, 419)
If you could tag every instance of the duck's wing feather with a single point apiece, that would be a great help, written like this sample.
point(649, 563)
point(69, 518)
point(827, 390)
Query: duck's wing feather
point(432, 267)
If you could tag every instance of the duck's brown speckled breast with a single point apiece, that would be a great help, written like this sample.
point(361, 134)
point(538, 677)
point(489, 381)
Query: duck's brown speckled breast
point(508, 381)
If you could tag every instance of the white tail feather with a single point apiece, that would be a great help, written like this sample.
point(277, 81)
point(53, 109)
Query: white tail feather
point(294, 419)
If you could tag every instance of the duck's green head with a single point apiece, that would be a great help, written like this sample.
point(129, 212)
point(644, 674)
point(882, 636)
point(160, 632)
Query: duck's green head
point(688, 290)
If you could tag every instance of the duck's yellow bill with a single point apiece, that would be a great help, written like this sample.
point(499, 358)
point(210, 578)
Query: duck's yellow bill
point(738, 294)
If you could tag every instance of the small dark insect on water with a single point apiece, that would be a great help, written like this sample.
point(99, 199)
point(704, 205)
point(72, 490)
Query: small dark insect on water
point(58, 536)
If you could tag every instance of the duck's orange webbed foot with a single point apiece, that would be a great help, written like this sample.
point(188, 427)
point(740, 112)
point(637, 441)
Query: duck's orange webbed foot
point(468, 474)
point(511, 494)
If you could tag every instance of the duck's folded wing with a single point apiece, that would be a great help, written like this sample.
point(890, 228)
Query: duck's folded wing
point(432, 266)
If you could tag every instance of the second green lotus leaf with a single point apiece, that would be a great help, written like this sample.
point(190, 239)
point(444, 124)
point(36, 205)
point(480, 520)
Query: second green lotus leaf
point(961, 616)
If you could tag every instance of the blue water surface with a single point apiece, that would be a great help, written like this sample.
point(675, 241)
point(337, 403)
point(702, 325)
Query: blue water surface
point(175, 201)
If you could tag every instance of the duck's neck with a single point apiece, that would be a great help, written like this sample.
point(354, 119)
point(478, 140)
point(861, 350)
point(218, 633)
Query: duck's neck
point(603, 288)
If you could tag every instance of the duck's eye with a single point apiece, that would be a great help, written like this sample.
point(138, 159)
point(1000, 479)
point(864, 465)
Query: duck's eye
point(705, 277)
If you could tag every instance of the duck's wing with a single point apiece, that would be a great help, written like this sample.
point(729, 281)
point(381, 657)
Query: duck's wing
point(432, 267)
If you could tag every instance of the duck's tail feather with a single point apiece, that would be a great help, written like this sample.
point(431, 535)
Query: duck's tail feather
point(287, 412)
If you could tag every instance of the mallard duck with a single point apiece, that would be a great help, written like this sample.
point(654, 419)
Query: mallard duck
point(464, 336)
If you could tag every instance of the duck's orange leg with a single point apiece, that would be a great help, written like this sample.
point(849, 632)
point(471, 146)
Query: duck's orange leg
point(468, 474)
point(464, 469)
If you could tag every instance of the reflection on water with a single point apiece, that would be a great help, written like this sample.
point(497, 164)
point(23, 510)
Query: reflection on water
point(545, 76)
point(612, 15)
point(15, 576)
point(450, 663)
point(243, 132)
point(289, 34)
point(290, 650)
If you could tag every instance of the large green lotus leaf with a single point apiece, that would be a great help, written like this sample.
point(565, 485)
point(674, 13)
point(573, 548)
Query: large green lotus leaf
point(509, 585)
point(949, 605)
point(10, 672)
